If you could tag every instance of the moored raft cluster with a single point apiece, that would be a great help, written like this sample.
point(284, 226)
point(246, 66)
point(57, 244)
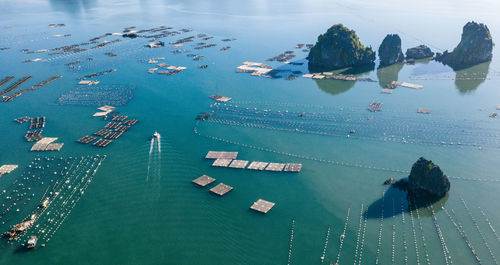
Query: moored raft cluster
point(114, 129)
point(228, 159)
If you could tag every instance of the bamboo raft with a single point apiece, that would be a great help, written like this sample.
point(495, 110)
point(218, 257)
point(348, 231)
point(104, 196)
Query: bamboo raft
point(5, 80)
point(86, 139)
point(35, 87)
point(15, 85)
point(6, 169)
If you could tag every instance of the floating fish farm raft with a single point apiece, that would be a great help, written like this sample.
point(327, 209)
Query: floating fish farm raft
point(262, 206)
point(113, 130)
point(204, 180)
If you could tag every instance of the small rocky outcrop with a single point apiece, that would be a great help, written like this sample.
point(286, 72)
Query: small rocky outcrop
point(475, 47)
point(419, 52)
point(389, 51)
point(426, 181)
point(339, 48)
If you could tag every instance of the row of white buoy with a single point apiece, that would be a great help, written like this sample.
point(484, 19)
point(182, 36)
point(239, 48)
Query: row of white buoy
point(393, 233)
point(441, 130)
point(462, 233)
point(74, 202)
point(405, 245)
point(423, 124)
point(342, 236)
point(455, 142)
point(365, 221)
point(415, 237)
point(490, 225)
point(292, 231)
point(65, 197)
point(474, 221)
point(56, 206)
point(446, 251)
point(300, 156)
point(359, 234)
point(37, 213)
point(423, 236)
point(380, 229)
point(325, 246)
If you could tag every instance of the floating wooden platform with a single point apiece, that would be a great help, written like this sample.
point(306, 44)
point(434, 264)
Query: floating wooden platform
point(386, 91)
point(220, 98)
point(275, 167)
point(221, 154)
point(262, 206)
point(257, 165)
point(424, 111)
point(238, 164)
point(46, 144)
point(221, 162)
point(204, 180)
point(293, 167)
point(221, 189)
point(6, 169)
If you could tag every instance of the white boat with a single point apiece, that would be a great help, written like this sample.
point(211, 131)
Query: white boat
point(156, 135)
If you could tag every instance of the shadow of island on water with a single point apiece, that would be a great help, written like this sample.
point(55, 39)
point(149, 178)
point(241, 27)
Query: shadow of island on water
point(335, 87)
point(395, 201)
point(468, 80)
point(387, 74)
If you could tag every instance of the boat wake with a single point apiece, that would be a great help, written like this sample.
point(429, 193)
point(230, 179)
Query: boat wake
point(154, 162)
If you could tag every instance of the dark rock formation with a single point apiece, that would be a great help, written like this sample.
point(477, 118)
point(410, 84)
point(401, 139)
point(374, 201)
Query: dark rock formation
point(339, 48)
point(426, 181)
point(475, 47)
point(419, 52)
point(389, 51)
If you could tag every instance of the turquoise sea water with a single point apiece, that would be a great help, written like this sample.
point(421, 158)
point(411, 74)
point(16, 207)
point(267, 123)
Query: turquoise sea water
point(141, 207)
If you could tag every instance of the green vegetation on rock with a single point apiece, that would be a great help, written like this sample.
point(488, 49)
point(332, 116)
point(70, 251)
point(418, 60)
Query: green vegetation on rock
point(339, 48)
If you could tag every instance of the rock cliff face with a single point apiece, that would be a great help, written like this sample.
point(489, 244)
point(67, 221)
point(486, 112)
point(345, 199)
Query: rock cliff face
point(426, 180)
point(389, 51)
point(475, 47)
point(419, 52)
point(338, 48)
